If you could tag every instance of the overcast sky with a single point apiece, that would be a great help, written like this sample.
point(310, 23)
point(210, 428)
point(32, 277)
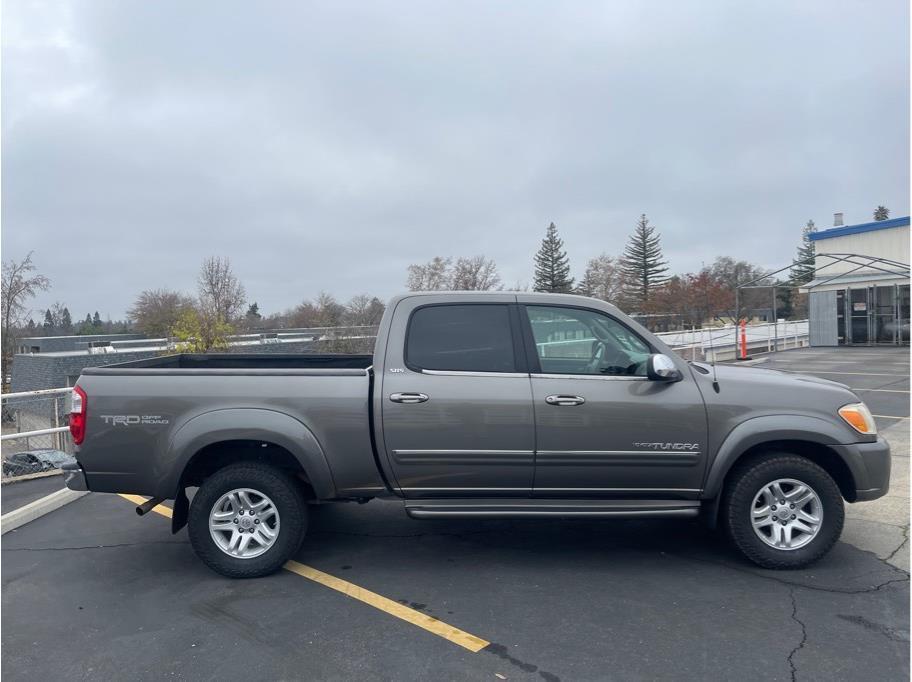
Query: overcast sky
point(327, 146)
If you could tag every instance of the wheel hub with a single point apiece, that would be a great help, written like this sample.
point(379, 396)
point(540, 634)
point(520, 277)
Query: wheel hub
point(786, 514)
point(244, 523)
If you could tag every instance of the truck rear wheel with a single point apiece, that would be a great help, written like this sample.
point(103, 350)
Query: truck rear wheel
point(247, 519)
point(783, 511)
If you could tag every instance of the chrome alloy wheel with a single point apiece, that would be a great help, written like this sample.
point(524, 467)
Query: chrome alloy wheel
point(786, 514)
point(244, 523)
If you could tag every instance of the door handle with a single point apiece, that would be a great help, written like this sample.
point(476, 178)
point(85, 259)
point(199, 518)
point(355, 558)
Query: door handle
point(409, 398)
point(565, 400)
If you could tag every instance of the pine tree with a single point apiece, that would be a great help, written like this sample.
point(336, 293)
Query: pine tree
point(642, 264)
point(66, 321)
point(48, 321)
point(96, 320)
point(253, 312)
point(881, 213)
point(552, 267)
point(803, 266)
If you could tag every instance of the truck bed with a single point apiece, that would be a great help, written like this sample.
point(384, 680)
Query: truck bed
point(239, 363)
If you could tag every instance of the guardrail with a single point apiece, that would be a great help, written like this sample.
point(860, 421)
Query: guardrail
point(33, 421)
point(723, 341)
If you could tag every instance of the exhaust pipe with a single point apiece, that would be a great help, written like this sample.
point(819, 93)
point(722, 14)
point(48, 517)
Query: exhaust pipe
point(147, 506)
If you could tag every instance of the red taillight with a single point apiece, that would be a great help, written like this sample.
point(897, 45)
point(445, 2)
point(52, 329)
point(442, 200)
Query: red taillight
point(78, 415)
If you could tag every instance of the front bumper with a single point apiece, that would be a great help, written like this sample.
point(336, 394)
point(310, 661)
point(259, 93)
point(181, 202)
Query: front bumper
point(73, 476)
point(870, 464)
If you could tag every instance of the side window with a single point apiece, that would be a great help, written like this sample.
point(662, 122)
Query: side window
point(463, 338)
point(575, 341)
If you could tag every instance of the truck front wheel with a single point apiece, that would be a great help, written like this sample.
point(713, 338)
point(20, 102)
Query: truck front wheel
point(783, 511)
point(247, 519)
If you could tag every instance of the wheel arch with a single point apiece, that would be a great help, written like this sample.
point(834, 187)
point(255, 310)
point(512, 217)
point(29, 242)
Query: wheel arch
point(816, 439)
point(215, 439)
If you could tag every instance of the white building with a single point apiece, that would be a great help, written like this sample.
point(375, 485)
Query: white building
point(855, 299)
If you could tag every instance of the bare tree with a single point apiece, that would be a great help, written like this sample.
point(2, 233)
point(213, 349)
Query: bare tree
point(431, 276)
point(156, 311)
point(329, 311)
point(603, 279)
point(364, 310)
point(475, 274)
point(20, 282)
point(220, 292)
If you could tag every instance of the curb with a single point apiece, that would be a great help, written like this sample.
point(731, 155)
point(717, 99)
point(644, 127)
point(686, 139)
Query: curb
point(30, 477)
point(38, 508)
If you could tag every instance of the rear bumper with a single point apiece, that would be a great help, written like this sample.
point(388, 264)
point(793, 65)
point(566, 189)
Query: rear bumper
point(74, 477)
point(870, 464)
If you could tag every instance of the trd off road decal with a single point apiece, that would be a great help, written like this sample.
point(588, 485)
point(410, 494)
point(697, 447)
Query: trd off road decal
point(133, 419)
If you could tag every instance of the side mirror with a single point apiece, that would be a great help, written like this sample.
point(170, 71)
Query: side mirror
point(660, 367)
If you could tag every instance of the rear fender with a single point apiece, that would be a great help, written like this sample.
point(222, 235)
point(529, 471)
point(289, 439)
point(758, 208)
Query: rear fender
point(254, 424)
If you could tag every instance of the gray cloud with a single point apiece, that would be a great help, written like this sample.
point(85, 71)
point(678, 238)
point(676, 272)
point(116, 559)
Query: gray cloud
point(326, 146)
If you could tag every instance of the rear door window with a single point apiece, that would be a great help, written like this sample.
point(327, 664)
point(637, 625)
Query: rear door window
point(461, 338)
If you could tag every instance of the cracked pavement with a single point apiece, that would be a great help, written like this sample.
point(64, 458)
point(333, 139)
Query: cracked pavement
point(559, 600)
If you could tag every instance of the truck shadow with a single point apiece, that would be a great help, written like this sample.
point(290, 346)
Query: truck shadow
point(380, 533)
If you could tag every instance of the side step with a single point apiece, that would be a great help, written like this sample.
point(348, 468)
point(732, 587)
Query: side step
point(533, 508)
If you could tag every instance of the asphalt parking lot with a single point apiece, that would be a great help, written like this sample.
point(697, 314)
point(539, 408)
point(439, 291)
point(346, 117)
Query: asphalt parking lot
point(93, 591)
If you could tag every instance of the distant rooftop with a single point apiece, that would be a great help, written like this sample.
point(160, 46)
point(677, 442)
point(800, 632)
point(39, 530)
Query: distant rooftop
point(858, 229)
point(83, 337)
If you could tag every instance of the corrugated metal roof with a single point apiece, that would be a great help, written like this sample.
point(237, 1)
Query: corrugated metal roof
point(858, 229)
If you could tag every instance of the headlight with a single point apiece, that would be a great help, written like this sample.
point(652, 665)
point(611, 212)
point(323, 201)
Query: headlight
point(858, 416)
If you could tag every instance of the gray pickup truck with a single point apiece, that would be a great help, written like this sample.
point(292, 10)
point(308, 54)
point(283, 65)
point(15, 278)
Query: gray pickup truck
point(483, 405)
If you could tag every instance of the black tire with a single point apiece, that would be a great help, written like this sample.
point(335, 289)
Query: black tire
point(747, 480)
point(285, 494)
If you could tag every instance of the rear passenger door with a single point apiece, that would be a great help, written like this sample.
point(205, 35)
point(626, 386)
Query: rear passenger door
point(456, 399)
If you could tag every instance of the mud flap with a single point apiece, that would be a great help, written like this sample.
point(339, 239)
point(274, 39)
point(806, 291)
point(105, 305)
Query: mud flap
point(180, 511)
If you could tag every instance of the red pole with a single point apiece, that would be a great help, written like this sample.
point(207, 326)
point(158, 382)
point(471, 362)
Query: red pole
point(744, 339)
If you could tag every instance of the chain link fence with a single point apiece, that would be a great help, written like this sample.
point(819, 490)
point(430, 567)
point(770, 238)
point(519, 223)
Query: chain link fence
point(35, 438)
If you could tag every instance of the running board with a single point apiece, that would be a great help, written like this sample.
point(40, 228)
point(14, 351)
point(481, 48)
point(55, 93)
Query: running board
point(532, 508)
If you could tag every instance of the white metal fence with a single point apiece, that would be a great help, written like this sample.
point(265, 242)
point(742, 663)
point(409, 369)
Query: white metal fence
point(723, 342)
point(34, 431)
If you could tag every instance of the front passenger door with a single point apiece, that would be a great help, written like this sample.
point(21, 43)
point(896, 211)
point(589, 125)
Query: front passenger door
point(603, 429)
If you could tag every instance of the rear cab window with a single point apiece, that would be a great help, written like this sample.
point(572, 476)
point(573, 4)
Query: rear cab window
point(474, 337)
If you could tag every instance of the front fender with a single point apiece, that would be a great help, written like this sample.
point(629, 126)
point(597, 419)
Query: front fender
point(770, 428)
point(256, 424)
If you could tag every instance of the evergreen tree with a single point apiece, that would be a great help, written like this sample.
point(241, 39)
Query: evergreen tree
point(881, 213)
point(253, 312)
point(642, 264)
point(96, 320)
point(552, 267)
point(803, 266)
point(66, 322)
point(48, 321)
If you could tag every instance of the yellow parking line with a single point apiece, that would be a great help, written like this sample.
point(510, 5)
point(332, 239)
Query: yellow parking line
point(136, 499)
point(393, 608)
point(422, 620)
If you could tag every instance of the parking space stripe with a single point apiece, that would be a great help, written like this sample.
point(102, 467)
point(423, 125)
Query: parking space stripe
point(393, 608)
point(814, 371)
point(136, 499)
point(879, 390)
